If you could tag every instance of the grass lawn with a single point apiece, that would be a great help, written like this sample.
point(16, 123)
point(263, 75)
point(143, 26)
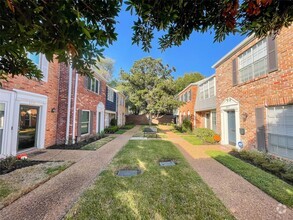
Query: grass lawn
point(270, 184)
point(121, 131)
point(97, 144)
point(192, 139)
point(157, 193)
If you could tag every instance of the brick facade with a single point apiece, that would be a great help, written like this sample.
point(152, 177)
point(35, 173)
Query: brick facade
point(189, 105)
point(271, 89)
point(49, 89)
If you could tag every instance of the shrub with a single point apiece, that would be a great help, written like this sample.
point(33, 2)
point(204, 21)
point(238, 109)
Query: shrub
point(205, 134)
point(7, 163)
point(186, 125)
point(111, 129)
point(127, 127)
point(113, 122)
point(178, 128)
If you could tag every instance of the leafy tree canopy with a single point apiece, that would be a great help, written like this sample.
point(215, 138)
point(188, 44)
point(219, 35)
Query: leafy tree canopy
point(105, 67)
point(79, 30)
point(150, 86)
point(186, 79)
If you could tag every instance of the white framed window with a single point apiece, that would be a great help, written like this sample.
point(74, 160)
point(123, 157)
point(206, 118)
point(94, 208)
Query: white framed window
point(85, 122)
point(41, 62)
point(110, 96)
point(207, 89)
point(253, 62)
point(93, 84)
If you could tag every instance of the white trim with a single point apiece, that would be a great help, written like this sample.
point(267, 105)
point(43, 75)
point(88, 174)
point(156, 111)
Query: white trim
point(229, 54)
point(110, 112)
point(227, 105)
point(74, 108)
point(100, 108)
point(89, 123)
point(68, 105)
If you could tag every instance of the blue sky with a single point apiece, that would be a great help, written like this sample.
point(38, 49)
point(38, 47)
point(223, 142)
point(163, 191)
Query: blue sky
point(197, 54)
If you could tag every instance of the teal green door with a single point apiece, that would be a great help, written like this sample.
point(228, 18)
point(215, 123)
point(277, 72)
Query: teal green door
point(231, 128)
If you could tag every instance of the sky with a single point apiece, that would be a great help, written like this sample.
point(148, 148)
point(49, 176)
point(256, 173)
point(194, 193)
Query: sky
point(197, 54)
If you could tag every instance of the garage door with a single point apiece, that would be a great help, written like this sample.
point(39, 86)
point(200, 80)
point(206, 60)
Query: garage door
point(280, 130)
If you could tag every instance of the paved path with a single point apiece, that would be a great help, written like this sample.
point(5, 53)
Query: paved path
point(53, 199)
point(244, 200)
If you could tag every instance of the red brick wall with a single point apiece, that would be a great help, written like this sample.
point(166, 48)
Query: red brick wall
point(86, 100)
point(275, 88)
point(49, 89)
point(189, 106)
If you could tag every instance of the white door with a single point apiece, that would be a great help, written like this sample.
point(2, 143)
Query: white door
point(100, 118)
point(280, 130)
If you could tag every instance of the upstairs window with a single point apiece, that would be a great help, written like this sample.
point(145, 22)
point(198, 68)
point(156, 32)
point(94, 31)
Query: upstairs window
point(41, 62)
point(207, 89)
point(93, 85)
point(253, 62)
point(110, 96)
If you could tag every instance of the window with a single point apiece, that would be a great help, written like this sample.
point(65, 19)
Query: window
point(110, 96)
point(93, 85)
point(85, 122)
point(214, 121)
point(41, 62)
point(189, 95)
point(207, 89)
point(253, 62)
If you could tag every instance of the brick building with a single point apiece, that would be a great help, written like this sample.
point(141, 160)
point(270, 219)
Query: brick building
point(121, 110)
point(205, 104)
point(81, 110)
point(28, 109)
point(186, 111)
point(255, 94)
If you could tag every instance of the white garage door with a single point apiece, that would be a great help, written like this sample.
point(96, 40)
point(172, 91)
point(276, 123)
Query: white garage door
point(280, 130)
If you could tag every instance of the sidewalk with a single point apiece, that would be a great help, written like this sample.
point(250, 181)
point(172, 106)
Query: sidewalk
point(53, 199)
point(244, 200)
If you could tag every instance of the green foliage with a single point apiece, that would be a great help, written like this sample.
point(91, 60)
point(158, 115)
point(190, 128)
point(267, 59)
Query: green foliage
point(7, 163)
point(178, 128)
point(127, 127)
point(113, 122)
point(178, 19)
point(270, 184)
point(111, 129)
point(150, 87)
point(64, 28)
point(186, 79)
point(205, 134)
point(186, 125)
point(5, 189)
point(54, 170)
point(276, 166)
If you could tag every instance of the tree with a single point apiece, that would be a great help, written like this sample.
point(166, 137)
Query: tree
point(105, 67)
point(186, 79)
point(178, 19)
point(150, 87)
point(77, 31)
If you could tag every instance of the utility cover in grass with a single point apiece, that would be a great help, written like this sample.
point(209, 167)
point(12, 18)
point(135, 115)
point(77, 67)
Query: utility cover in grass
point(167, 163)
point(126, 173)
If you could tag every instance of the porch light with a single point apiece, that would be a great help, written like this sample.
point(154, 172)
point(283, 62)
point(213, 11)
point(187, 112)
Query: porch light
point(53, 110)
point(244, 116)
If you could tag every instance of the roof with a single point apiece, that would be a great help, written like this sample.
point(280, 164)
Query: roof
point(191, 84)
point(205, 79)
point(234, 50)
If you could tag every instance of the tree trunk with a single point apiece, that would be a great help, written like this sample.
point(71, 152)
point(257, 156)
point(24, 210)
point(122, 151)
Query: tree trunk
point(150, 119)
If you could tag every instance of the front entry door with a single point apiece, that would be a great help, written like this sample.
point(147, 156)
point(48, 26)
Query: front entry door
point(231, 128)
point(27, 132)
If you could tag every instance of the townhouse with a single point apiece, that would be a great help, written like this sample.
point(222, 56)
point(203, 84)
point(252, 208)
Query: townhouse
point(28, 109)
point(62, 108)
point(120, 106)
point(205, 104)
point(255, 94)
point(186, 111)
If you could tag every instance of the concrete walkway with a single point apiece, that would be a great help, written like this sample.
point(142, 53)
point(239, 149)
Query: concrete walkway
point(244, 200)
point(53, 199)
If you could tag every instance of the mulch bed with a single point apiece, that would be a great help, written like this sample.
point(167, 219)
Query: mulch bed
point(76, 146)
point(18, 164)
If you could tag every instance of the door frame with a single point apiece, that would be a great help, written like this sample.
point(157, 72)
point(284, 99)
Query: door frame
point(229, 104)
point(100, 109)
point(31, 99)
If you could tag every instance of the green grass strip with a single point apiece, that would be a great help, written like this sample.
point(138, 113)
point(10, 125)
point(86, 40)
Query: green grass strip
point(192, 139)
point(175, 192)
point(270, 184)
point(97, 144)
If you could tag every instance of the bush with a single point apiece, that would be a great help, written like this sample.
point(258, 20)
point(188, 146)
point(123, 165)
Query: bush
point(111, 129)
point(276, 166)
point(102, 134)
point(113, 122)
point(205, 134)
point(127, 127)
point(7, 163)
point(178, 128)
point(186, 125)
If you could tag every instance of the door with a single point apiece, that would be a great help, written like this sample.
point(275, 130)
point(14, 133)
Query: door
point(27, 132)
point(2, 108)
point(208, 120)
point(231, 128)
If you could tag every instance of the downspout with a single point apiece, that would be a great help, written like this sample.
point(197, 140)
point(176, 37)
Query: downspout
point(68, 104)
point(74, 108)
